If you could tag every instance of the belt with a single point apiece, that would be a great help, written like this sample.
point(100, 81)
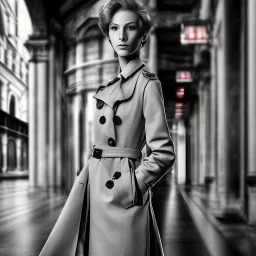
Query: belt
point(107, 151)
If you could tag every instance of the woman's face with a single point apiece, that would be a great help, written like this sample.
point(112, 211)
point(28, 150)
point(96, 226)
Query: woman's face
point(124, 33)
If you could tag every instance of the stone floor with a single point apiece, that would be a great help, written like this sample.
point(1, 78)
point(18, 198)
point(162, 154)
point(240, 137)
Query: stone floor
point(236, 231)
point(27, 216)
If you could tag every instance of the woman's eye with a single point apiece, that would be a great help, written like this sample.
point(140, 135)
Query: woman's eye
point(131, 28)
point(113, 28)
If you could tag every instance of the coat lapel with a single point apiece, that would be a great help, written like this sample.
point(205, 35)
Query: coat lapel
point(120, 91)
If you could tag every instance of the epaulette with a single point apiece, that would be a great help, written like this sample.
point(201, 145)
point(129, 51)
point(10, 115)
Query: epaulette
point(149, 75)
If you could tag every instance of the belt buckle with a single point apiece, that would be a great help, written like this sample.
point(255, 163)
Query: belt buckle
point(97, 152)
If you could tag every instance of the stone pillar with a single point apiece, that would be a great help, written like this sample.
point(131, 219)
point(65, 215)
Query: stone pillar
point(61, 113)
point(222, 152)
point(181, 152)
point(225, 115)
point(202, 148)
point(195, 142)
point(209, 177)
point(4, 142)
point(153, 53)
point(175, 142)
point(38, 118)
point(18, 147)
point(251, 110)
point(52, 115)
point(212, 175)
point(77, 107)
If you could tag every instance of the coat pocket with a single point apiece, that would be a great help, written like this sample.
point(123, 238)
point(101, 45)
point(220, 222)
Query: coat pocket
point(126, 188)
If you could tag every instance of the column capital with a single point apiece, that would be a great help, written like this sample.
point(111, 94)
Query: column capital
point(38, 48)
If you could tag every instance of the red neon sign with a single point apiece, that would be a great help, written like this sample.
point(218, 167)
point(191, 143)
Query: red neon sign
point(183, 77)
point(178, 105)
point(180, 92)
point(195, 32)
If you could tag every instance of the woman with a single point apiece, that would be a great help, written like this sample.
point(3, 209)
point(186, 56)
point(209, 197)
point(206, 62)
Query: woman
point(109, 211)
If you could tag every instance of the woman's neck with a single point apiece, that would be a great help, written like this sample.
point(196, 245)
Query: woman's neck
point(123, 61)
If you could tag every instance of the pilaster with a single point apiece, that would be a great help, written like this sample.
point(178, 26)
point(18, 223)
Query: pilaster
point(153, 53)
point(4, 142)
point(18, 150)
point(251, 113)
point(38, 118)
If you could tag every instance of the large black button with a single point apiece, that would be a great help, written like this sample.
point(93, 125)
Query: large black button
point(97, 153)
point(116, 175)
point(109, 184)
point(117, 120)
point(102, 119)
point(111, 142)
point(100, 104)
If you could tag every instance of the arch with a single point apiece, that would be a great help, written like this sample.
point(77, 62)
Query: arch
point(11, 155)
point(12, 106)
point(24, 155)
point(88, 29)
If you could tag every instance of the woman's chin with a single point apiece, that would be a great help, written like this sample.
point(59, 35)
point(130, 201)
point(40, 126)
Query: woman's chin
point(126, 54)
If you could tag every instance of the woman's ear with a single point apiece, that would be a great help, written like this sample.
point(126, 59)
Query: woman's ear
point(145, 37)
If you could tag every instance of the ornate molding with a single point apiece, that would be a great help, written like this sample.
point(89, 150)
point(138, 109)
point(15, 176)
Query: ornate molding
point(38, 49)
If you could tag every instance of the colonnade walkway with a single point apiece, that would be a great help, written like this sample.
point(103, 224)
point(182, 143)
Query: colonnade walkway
point(27, 216)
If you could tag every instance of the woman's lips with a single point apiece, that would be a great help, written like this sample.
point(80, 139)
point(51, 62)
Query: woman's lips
point(122, 46)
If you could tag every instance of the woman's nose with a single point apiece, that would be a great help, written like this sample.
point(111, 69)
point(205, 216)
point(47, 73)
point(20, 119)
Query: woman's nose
point(122, 35)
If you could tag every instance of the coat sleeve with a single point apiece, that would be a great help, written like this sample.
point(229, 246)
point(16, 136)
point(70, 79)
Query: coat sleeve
point(161, 156)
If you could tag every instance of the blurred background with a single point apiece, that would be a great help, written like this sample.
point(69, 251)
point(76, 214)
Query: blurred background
point(53, 57)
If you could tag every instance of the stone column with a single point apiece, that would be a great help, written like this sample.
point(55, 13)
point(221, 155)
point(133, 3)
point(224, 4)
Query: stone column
point(212, 175)
point(175, 142)
point(18, 147)
point(77, 107)
point(195, 142)
point(4, 141)
point(153, 53)
point(202, 137)
point(181, 152)
point(52, 114)
point(38, 118)
point(251, 110)
point(224, 103)
point(209, 177)
point(222, 152)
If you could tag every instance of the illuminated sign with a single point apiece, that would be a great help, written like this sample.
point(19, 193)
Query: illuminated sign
point(180, 92)
point(195, 32)
point(183, 77)
point(178, 105)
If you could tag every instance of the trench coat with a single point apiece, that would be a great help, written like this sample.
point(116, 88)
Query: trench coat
point(109, 210)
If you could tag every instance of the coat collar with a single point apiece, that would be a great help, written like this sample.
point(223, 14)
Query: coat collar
point(120, 91)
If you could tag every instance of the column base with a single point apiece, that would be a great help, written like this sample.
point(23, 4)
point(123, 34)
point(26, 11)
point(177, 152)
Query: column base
point(211, 188)
point(251, 184)
point(230, 215)
point(4, 170)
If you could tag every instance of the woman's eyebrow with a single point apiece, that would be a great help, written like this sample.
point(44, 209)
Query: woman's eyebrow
point(132, 22)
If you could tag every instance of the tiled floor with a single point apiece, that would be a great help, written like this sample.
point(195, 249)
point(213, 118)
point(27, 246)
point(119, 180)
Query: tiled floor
point(27, 216)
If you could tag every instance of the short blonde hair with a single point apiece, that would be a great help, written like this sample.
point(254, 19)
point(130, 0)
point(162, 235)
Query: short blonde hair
point(108, 10)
